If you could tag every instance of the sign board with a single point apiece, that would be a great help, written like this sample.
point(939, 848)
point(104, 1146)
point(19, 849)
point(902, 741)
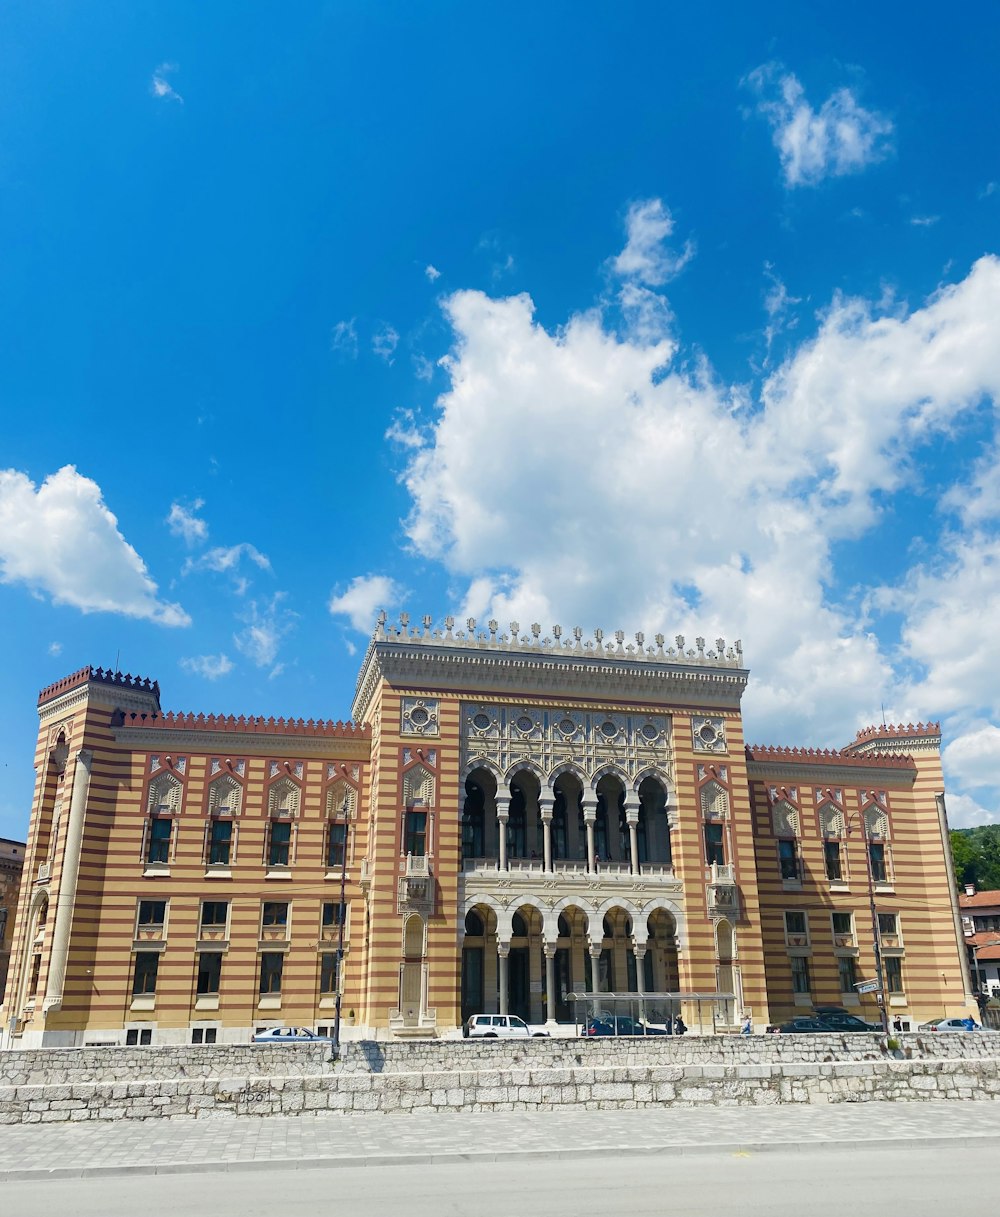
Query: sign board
point(867, 986)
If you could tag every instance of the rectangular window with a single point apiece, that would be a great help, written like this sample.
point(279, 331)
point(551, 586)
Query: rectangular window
point(214, 914)
point(848, 970)
point(209, 972)
point(795, 923)
point(204, 1035)
point(876, 853)
point(714, 853)
point(843, 925)
point(158, 846)
point(893, 967)
point(788, 860)
point(831, 856)
point(147, 964)
point(134, 1036)
point(271, 963)
point(152, 914)
point(274, 914)
point(800, 974)
point(281, 838)
point(220, 842)
point(333, 914)
point(328, 973)
point(416, 833)
point(887, 925)
point(336, 842)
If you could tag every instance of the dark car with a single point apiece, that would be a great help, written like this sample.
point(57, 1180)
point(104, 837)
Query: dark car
point(619, 1025)
point(841, 1021)
point(804, 1026)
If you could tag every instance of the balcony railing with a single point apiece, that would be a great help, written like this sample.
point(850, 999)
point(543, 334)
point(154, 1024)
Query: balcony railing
point(567, 868)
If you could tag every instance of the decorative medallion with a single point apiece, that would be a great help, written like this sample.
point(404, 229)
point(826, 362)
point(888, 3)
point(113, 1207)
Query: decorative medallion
point(708, 734)
point(419, 716)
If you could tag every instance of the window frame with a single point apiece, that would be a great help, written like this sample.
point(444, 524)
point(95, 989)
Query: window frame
point(710, 846)
point(145, 973)
point(157, 842)
point(269, 972)
point(214, 974)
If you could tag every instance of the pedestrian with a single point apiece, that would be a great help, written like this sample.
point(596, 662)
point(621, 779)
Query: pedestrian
point(747, 1025)
point(679, 1026)
point(897, 1023)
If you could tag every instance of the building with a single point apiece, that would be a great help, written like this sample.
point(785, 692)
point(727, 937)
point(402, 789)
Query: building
point(516, 818)
point(981, 928)
point(11, 864)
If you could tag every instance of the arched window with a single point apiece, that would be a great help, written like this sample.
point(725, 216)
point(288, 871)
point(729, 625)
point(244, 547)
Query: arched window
point(519, 927)
point(516, 835)
point(563, 925)
point(474, 924)
point(559, 838)
point(473, 821)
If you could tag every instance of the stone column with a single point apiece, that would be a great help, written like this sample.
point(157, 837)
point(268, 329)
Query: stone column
point(639, 951)
point(595, 968)
point(503, 950)
point(503, 810)
point(589, 820)
point(66, 895)
point(550, 982)
point(545, 803)
point(632, 820)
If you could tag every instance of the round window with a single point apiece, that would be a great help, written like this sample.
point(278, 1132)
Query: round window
point(481, 722)
point(419, 716)
point(708, 733)
point(524, 723)
point(567, 726)
point(608, 729)
point(649, 732)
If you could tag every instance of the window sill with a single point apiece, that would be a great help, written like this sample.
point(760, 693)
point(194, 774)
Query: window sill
point(207, 1001)
point(850, 999)
point(156, 870)
point(838, 885)
point(218, 872)
point(791, 885)
point(846, 952)
point(335, 874)
point(271, 1001)
point(887, 887)
point(802, 999)
point(897, 999)
point(328, 1003)
point(143, 1001)
point(149, 944)
point(278, 872)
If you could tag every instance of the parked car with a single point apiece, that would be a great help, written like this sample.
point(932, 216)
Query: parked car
point(290, 1035)
point(950, 1024)
point(804, 1026)
point(500, 1026)
point(619, 1025)
point(842, 1021)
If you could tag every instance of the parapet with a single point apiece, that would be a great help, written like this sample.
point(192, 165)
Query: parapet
point(827, 756)
point(242, 725)
point(102, 676)
point(492, 639)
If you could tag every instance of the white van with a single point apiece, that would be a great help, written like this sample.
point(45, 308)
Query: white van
point(500, 1026)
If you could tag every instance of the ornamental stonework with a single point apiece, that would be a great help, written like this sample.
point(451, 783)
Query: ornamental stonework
point(708, 734)
point(419, 716)
point(506, 735)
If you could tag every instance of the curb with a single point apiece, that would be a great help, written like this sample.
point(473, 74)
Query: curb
point(677, 1149)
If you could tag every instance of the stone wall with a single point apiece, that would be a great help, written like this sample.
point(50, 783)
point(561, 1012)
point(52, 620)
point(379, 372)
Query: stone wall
point(601, 1087)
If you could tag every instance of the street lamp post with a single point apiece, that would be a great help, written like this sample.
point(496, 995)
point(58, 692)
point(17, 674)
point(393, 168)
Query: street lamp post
point(341, 917)
point(876, 937)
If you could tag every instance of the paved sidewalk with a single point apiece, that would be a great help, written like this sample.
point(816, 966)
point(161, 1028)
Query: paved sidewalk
point(227, 1143)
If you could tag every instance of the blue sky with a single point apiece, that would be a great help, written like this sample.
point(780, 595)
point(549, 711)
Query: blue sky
point(604, 315)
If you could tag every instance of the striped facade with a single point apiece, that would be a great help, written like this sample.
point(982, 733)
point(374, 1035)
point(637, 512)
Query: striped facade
point(513, 819)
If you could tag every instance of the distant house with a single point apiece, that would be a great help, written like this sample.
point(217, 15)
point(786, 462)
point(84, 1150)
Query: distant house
point(981, 927)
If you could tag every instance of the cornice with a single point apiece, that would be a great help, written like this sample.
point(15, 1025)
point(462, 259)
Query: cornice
point(114, 697)
point(544, 673)
point(849, 771)
point(255, 744)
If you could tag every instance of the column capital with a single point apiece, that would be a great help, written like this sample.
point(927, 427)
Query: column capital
point(589, 801)
point(503, 805)
point(503, 949)
point(550, 949)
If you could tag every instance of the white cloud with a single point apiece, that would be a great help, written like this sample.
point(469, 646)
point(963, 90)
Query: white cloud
point(384, 342)
point(362, 599)
point(974, 757)
point(344, 339)
point(183, 522)
point(211, 667)
point(965, 812)
point(432, 272)
point(977, 498)
point(620, 494)
point(988, 189)
point(646, 257)
point(778, 304)
point(60, 540)
point(265, 625)
point(55, 648)
point(227, 558)
point(159, 86)
point(403, 430)
point(841, 137)
point(924, 221)
point(423, 369)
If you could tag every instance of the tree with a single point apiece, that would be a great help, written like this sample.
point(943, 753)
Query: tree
point(976, 854)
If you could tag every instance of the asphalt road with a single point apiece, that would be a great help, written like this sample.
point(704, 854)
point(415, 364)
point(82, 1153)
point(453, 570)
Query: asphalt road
point(925, 1180)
